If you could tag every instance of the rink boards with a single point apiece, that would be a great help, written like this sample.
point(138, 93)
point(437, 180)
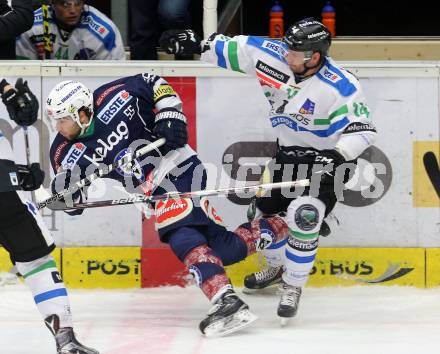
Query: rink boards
point(390, 238)
point(132, 267)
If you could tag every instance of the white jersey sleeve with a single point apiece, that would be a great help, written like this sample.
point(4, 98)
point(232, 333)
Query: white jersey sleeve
point(229, 53)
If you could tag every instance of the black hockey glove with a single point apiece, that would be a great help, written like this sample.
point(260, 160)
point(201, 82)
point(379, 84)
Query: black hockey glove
point(180, 42)
point(326, 157)
point(30, 177)
point(64, 180)
point(21, 103)
point(171, 125)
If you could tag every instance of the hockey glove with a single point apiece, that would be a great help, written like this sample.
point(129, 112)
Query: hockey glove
point(21, 103)
point(30, 177)
point(64, 180)
point(180, 42)
point(326, 157)
point(171, 125)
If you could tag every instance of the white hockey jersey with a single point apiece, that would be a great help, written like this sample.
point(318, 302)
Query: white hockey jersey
point(325, 111)
point(95, 38)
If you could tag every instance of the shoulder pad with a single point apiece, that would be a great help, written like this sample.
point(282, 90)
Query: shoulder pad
point(331, 75)
point(270, 46)
point(38, 16)
point(100, 28)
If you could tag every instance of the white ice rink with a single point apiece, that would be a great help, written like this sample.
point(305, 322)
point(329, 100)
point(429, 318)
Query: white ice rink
point(370, 320)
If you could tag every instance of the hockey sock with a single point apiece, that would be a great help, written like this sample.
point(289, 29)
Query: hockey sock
point(207, 269)
point(50, 295)
point(304, 218)
point(261, 234)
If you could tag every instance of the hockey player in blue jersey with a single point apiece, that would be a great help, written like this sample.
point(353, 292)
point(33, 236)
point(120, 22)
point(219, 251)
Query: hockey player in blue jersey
point(321, 120)
point(119, 117)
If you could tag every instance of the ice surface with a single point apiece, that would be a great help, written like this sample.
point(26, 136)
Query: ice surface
point(364, 319)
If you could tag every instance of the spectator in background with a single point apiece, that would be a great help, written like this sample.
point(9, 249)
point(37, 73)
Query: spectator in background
point(13, 22)
point(147, 18)
point(74, 31)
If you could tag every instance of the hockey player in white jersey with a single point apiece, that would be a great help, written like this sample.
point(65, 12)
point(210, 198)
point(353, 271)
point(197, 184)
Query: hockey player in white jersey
point(22, 230)
point(321, 120)
point(69, 29)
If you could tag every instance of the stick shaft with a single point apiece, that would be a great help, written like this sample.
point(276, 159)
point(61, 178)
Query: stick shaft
point(140, 198)
point(101, 172)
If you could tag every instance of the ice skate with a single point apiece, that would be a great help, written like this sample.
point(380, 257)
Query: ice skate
point(325, 230)
point(288, 306)
point(263, 279)
point(65, 338)
point(228, 314)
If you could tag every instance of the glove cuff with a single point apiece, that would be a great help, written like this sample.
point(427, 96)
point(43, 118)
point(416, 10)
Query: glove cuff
point(170, 114)
point(9, 98)
point(3, 84)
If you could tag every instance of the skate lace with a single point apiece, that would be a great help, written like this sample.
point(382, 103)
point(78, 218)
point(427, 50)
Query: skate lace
point(290, 295)
point(266, 274)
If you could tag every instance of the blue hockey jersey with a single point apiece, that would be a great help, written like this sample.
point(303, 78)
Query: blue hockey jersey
point(124, 112)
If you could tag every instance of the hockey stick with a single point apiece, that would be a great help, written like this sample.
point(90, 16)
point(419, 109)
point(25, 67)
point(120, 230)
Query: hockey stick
point(140, 198)
point(28, 156)
point(46, 33)
point(100, 173)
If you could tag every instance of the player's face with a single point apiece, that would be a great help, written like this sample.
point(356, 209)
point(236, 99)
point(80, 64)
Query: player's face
point(69, 11)
point(300, 61)
point(68, 128)
point(295, 60)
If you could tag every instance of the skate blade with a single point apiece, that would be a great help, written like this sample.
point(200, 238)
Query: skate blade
point(284, 321)
point(231, 324)
point(249, 291)
point(270, 288)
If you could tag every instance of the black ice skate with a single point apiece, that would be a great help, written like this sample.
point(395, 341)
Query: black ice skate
point(229, 314)
point(260, 280)
point(288, 306)
point(65, 338)
point(325, 230)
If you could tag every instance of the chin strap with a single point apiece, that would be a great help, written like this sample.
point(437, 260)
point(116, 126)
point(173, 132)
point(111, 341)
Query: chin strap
point(301, 76)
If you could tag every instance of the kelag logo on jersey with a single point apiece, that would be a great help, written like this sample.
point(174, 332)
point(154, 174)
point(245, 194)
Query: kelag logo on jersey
point(73, 155)
point(129, 170)
point(113, 107)
point(121, 133)
point(308, 107)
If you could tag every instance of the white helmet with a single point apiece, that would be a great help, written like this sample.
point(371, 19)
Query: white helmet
point(66, 99)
